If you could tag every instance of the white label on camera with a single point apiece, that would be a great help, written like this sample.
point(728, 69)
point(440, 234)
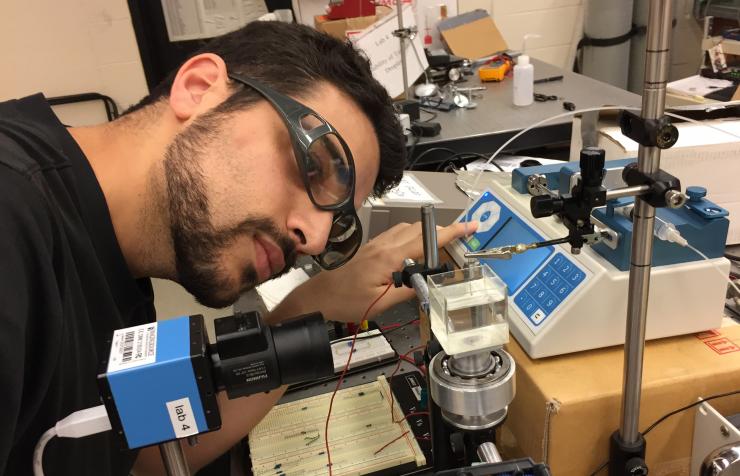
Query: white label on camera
point(133, 346)
point(182, 418)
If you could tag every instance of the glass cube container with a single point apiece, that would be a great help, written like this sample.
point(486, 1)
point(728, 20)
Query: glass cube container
point(468, 310)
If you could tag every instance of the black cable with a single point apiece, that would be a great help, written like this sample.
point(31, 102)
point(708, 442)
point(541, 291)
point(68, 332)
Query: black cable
point(432, 113)
point(480, 156)
point(427, 152)
point(670, 414)
point(453, 157)
point(384, 333)
point(600, 469)
point(556, 241)
point(414, 141)
point(698, 402)
point(441, 167)
point(734, 312)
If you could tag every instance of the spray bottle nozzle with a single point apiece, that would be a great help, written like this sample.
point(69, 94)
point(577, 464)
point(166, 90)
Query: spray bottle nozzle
point(524, 41)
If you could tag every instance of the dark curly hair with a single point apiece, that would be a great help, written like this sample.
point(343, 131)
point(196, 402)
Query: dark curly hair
point(291, 58)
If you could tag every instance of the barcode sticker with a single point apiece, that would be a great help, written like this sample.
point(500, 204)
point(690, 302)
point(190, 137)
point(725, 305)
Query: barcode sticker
point(133, 346)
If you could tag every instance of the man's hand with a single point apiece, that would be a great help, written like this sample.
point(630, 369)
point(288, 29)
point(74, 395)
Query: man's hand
point(345, 293)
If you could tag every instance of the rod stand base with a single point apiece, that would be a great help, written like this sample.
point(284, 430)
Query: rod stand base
point(626, 459)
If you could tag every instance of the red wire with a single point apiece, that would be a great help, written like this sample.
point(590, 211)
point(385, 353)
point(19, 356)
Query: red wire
point(398, 366)
point(412, 414)
point(412, 362)
point(392, 441)
point(341, 376)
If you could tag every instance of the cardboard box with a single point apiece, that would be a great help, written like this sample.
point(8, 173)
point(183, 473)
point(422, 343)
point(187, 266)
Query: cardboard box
point(702, 156)
point(472, 35)
point(339, 28)
point(567, 407)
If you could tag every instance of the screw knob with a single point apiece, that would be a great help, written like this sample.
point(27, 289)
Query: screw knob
point(696, 193)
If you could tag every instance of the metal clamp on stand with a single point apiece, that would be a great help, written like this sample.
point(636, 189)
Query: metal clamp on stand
point(658, 133)
point(663, 189)
point(575, 208)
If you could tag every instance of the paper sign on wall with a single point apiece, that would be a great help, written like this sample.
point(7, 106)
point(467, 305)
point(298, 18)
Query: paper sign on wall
point(384, 52)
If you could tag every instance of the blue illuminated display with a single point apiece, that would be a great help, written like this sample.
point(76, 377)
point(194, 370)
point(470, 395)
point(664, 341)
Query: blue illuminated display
point(499, 226)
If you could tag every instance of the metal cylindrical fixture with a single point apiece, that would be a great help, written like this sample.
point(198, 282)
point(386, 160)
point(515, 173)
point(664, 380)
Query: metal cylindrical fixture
point(653, 103)
point(627, 192)
point(472, 365)
point(420, 286)
point(402, 41)
point(675, 199)
point(429, 235)
point(173, 458)
point(473, 403)
point(488, 453)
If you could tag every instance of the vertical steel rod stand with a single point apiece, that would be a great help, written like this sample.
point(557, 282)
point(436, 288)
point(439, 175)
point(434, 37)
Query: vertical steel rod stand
point(627, 448)
point(402, 41)
point(173, 458)
point(429, 235)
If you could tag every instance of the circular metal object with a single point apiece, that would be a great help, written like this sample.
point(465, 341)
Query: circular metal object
point(473, 365)
point(723, 461)
point(473, 403)
point(475, 423)
point(460, 100)
point(675, 199)
point(454, 74)
point(667, 136)
point(536, 183)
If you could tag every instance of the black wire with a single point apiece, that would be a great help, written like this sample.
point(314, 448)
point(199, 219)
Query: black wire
point(480, 156)
point(432, 113)
point(466, 155)
point(600, 469)
point(427, 152)
point(668, 415)
point(679, 410)
point(408, 323)
point(734, 312)
point(442, 165)
point(415, 140)
point(453, 157)
point(556, 241)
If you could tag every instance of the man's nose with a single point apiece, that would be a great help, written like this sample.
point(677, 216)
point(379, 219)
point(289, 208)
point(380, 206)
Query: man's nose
point(310, 229)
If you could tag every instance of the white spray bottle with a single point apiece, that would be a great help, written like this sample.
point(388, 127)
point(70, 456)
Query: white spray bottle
point(524, 76)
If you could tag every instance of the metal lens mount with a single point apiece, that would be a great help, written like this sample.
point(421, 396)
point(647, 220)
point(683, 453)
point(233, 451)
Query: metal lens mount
point(473, 402)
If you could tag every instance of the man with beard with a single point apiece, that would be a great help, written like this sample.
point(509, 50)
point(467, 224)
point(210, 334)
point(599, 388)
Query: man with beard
point(259, 148)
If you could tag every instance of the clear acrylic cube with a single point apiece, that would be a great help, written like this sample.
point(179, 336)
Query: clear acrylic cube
point(468, 310)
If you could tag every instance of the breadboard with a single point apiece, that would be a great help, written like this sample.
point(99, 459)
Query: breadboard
point(366, 351)
point(290, 439)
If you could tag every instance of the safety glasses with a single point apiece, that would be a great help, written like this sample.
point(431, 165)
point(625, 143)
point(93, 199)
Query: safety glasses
point(327, 170)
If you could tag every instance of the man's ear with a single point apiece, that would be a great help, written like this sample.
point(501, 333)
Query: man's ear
point(200, 84)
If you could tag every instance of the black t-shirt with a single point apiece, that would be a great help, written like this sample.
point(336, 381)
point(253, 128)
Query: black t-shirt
point(64, 287)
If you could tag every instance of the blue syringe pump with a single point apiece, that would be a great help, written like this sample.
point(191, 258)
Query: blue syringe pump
point(560, 302)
